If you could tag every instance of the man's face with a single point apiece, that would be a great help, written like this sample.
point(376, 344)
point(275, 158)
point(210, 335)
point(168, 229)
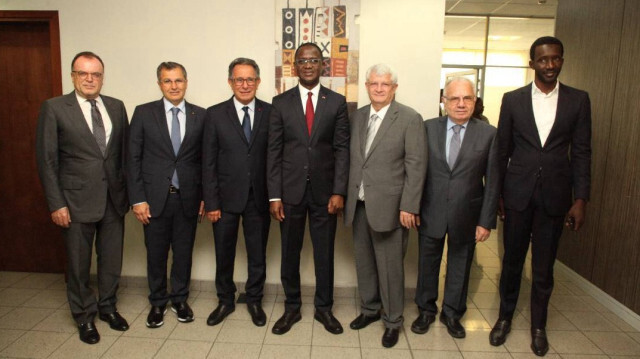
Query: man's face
point(547, 63)
point(87, 77)
point(459, 101)
point(381, 90)
point(309, 66)
point(244, 83)
point(173, 85)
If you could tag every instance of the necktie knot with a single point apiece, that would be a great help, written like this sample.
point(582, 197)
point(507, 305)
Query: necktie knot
point(246, 109)
point(457, 129)
point(92, 102)
point(310, 95)
point(175, 111)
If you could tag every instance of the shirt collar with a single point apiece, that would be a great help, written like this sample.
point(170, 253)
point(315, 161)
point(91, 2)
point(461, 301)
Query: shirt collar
point(535, 91)
point(303, 90)
point(381, 113)
point(450, 123)
point(168, 105)
point(82, 99)
point(239, 105)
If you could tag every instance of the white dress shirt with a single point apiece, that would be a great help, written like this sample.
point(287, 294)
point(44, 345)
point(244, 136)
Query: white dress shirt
point(544, 110)
point(182, 116)
point(85, 106)
point(304, 94)
point(239, 105)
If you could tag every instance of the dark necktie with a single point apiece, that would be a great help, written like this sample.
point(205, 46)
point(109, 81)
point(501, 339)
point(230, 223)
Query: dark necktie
point(246, 123)
point(98, 127)
point(309, 113)
point(175, 141)
point(454, 146)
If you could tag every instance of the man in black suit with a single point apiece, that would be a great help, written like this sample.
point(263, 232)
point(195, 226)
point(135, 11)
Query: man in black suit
point(459, 201)
point(544, 136)
point(307, 172)
point(80, 149)
point(235, 186)
point(164, 167)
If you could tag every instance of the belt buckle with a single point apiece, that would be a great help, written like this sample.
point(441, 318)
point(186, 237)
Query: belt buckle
point(172, 189)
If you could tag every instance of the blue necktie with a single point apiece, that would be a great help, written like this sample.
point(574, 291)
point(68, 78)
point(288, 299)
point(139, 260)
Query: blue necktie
point(175, 141)
point(246, 123)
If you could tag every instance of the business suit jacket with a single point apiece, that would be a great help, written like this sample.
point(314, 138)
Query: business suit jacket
point(393, 171)
point(459, 199)
point(151, 160)
point(72, 169)
point(231, 165)
point(293, 155)
point(563, 163)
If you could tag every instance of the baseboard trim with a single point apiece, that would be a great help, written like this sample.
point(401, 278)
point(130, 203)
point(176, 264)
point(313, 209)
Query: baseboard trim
point(626, 314)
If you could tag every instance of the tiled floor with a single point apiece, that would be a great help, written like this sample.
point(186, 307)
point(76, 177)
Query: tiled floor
point(35, 323)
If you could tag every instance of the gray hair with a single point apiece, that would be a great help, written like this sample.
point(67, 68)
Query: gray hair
point(382, 70)
point(459, 79)
point(243, 61)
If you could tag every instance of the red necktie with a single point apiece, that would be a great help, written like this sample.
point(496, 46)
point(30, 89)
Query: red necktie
point(309, 113)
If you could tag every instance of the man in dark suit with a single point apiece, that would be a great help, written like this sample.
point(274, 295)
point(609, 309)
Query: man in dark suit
point(80, 153)
point(544, 136)
point(459, 203)
point(387, 170)
point(307, 172)
point(164, 167)
point(235, 186)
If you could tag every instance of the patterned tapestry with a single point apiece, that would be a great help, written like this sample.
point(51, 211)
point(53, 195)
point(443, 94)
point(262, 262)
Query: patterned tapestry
point(330, 24)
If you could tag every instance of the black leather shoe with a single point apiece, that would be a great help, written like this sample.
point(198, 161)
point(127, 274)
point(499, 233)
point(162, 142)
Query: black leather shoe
point(155, 319)
point(286, 321)
point(183, 310)
point(539, 343)
point(390, 337)
point(454, 327)
point(218, 314)
point(499, 332)
point(362, 321)
point(115, 320)
point(88, 333)
point(258, 316)
point(422, 323)
point(331, 324)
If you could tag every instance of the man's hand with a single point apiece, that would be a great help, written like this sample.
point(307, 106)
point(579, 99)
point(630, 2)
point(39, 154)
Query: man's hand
point(201, 212)
point(336, 204)
point(501, 209)
point(408, 220)
point(141, 210)
point(482, 234)
point(214, 216)
point(276, 210)
point(576, 215)
point(61, 217)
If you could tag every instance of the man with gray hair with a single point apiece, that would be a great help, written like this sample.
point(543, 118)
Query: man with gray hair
point(459, 203)
point(387, 169)
point(234, 185)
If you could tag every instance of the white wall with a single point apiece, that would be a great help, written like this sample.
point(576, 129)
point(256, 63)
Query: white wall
point(133, 37)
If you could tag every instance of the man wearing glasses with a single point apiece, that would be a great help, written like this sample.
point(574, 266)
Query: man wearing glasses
point(80, 154)
point(164, 167)
point(234, 185)
point(459, 203)
point(307, 172)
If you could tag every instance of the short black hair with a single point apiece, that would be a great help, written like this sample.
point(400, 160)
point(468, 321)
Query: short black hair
point(295, 56)
point(170, 65)
point(545, 40)
point(243, 61)
point(88, 54)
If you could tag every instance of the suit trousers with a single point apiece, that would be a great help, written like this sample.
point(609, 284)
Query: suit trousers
point(459, 257)
point(171, 229)
point(380, 268)
point(255, 226)
point(322, 228)
point(79, 239)
point(533, 225)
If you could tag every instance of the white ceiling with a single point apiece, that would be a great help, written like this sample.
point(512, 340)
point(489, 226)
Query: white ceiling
point(524, 8)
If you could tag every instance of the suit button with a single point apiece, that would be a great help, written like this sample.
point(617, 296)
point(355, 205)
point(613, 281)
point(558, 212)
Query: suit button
point(305, 167)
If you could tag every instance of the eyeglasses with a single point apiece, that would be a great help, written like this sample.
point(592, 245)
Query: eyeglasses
point(83, 75)
point(468, 100)
point(301, 62)
point(384, 85)
point(238, 81)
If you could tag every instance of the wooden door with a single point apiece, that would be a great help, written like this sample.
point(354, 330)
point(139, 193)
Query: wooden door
point(29, 74)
